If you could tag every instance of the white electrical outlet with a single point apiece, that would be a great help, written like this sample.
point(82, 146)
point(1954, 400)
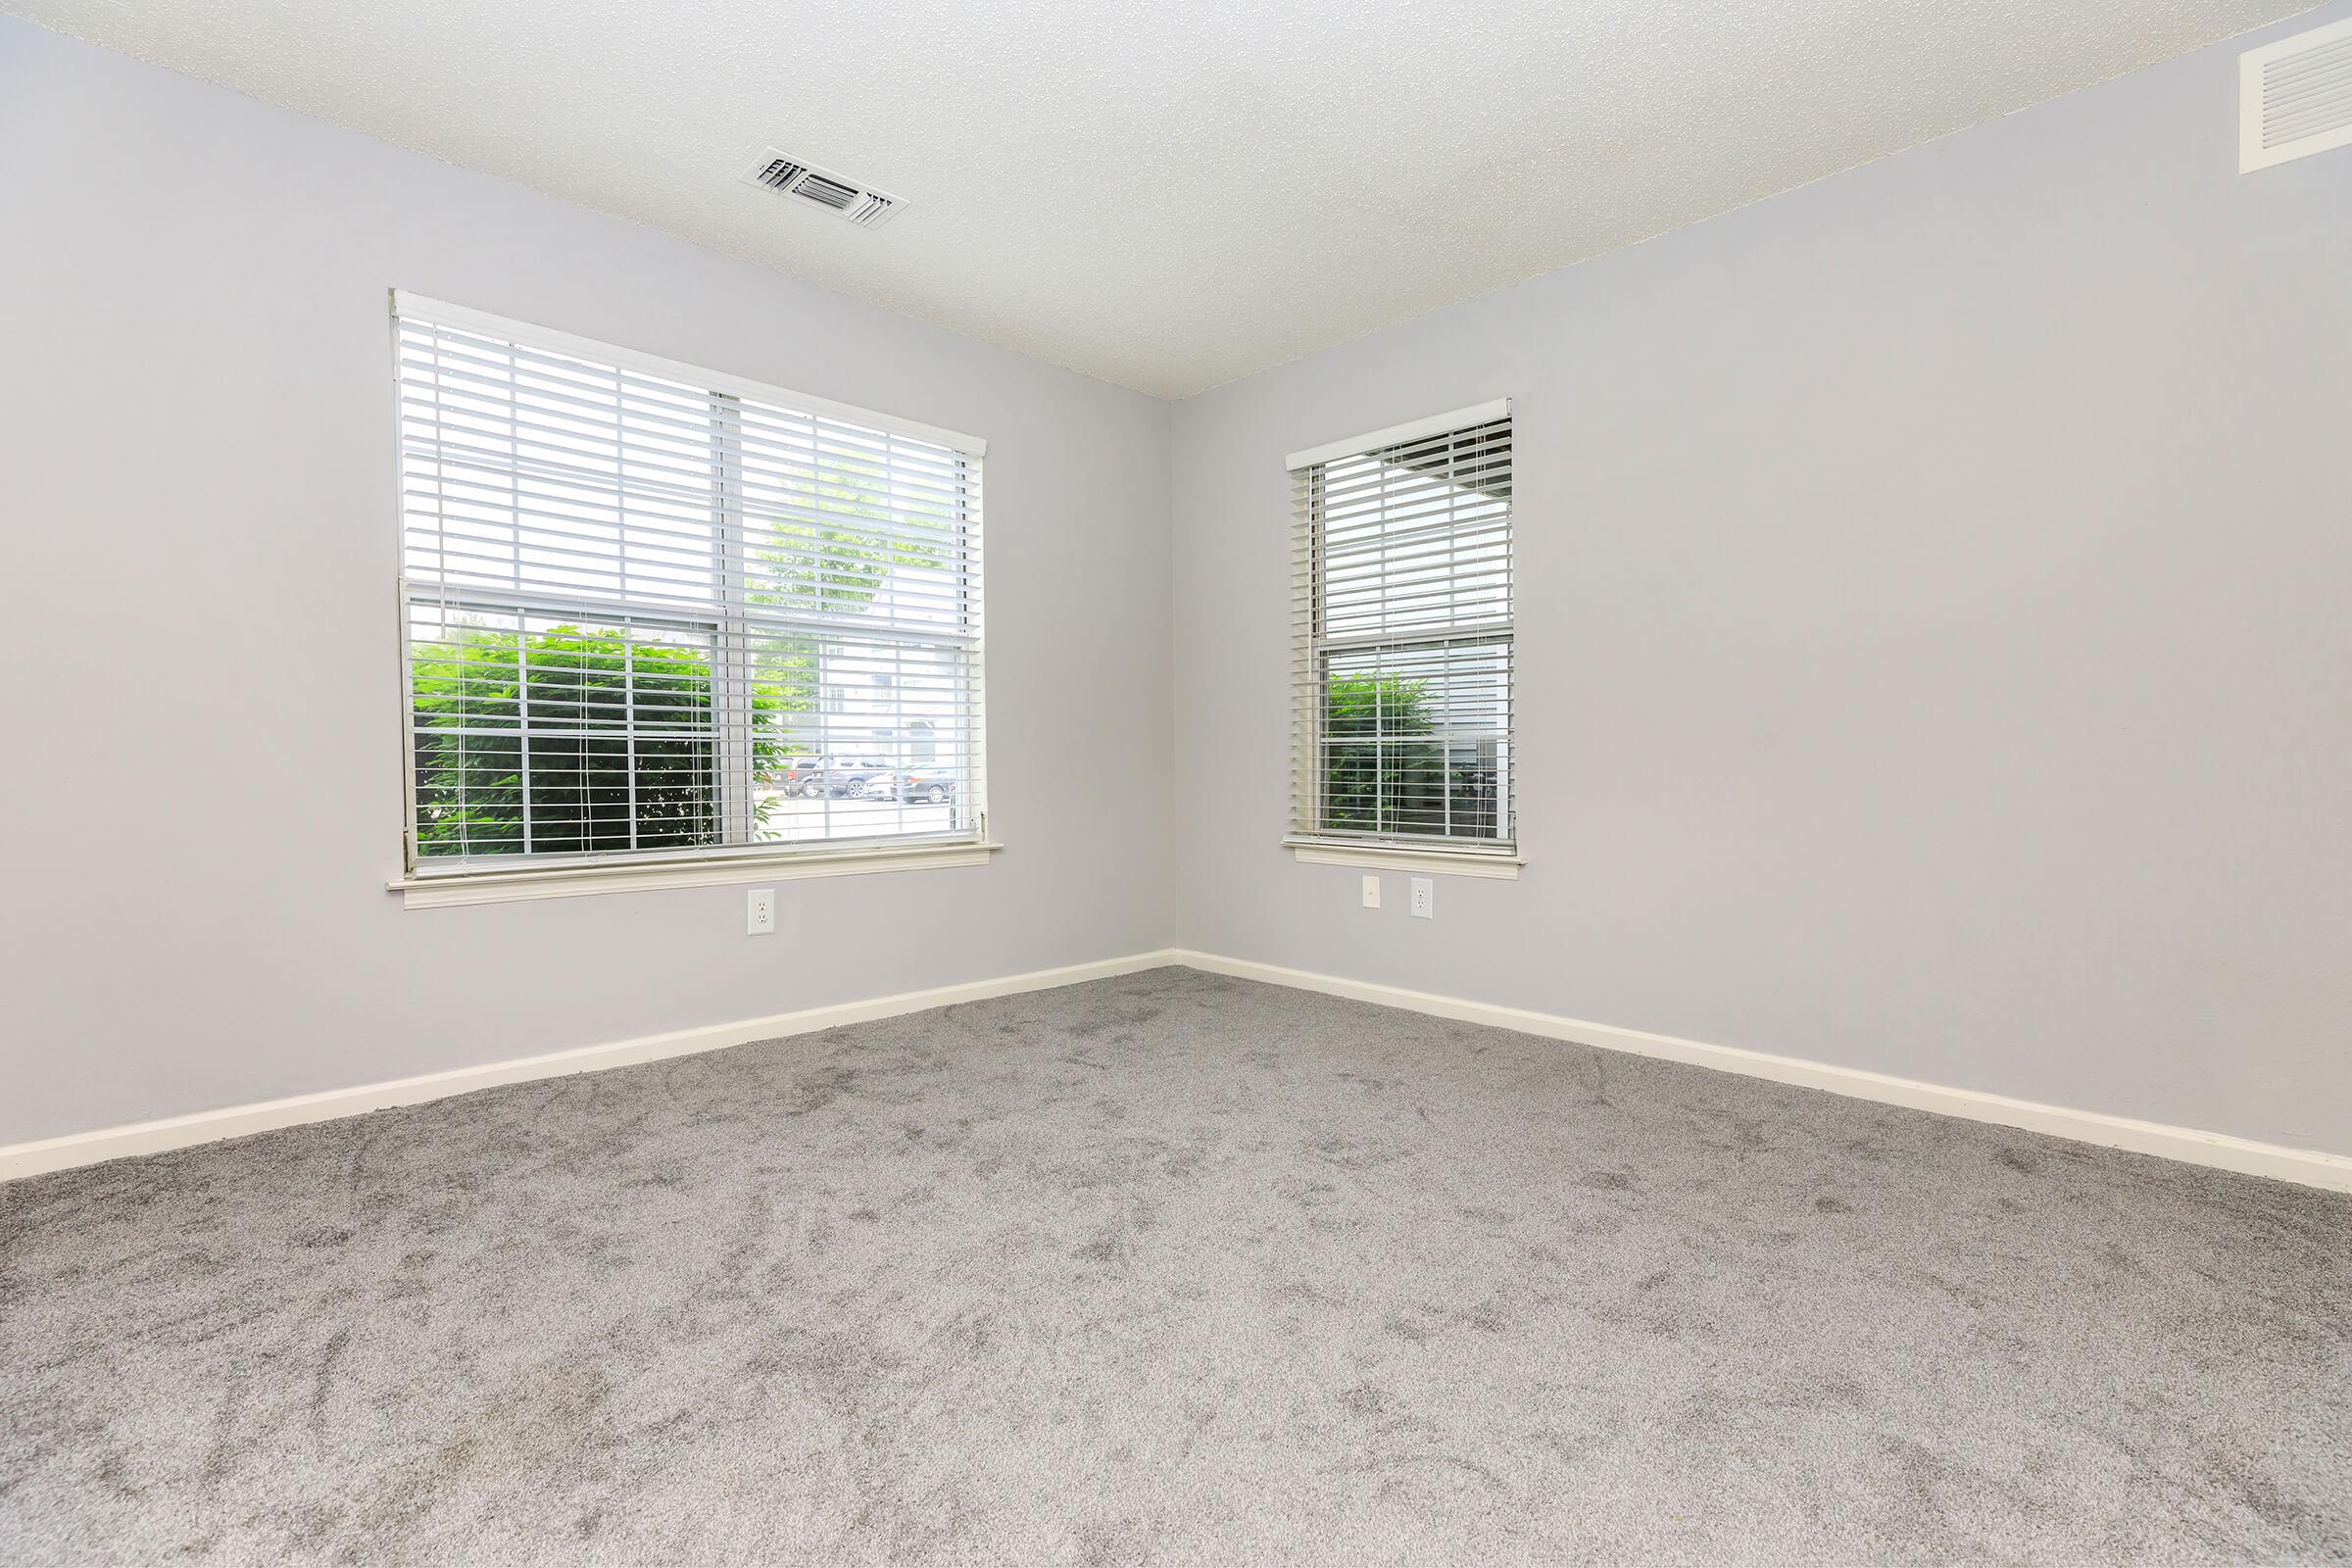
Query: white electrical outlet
point(760, 912)
point(1371, 893)
point(1425, 899)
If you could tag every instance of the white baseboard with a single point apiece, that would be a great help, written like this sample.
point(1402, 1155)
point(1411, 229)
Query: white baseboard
point(2306, 1166)
point(204, 1127)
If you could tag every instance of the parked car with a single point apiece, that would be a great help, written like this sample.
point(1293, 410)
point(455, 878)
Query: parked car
point(861, 778)
point(864, 778)
point(934, 788)
point(805, 776)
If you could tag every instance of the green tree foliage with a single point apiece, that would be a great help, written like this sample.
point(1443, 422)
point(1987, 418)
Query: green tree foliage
point(829, 567)
point(595, 779)
point(832, 564)
point(1386, 770)
point(1371, 758)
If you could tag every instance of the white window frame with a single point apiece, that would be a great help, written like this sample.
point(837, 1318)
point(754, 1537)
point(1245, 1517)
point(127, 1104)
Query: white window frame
point(424, 884)
point(1499, 857)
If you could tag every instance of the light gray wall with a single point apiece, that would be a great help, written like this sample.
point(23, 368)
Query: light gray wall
point(1933, 584)
point(1936, 626)
point(203, 773)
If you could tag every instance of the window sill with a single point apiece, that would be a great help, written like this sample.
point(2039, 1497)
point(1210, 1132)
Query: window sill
point(428, 890)
point(1504, 865)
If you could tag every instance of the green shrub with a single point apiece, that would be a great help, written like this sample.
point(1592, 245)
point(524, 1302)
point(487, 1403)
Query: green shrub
point(1384, 770)
point(597, 781)
point(1370, 761)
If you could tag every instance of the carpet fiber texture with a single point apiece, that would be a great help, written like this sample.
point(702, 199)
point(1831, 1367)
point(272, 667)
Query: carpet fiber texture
point(1169, 1268)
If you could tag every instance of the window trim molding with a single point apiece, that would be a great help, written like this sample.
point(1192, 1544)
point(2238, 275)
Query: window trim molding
point(1503, 865)
point(441, 890)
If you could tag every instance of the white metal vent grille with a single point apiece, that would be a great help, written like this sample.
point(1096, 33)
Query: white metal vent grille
point(825, 191)
point(779, 173)
point(842, 197)
point(2295, 97)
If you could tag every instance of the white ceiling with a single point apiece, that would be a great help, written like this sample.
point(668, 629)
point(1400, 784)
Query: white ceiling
point(1165, 195)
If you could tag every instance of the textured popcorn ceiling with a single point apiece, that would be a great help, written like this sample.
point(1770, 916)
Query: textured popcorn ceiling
point(1168, 196)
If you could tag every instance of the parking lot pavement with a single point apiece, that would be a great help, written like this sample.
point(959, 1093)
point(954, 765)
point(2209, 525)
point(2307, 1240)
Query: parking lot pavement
point(790, 821)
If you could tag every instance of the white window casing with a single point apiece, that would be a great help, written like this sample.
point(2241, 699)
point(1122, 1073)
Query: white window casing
point(660, 624)
point(1402, 646)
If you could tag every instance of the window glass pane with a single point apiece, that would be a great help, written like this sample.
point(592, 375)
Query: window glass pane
point(1404, 551)
point(525, 470)
point(865, 737)
point(843, 522)
point(543, 735)
point(1417, 738)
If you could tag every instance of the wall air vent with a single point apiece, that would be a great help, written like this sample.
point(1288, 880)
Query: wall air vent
point(2295, 97)
point(842, 198)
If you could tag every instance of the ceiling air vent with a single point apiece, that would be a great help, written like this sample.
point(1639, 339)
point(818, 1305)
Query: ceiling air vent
point(2295, 97)
point(779, 173)
point(843, 198)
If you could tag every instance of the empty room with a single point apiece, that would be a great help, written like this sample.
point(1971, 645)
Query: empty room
point(1319, 783)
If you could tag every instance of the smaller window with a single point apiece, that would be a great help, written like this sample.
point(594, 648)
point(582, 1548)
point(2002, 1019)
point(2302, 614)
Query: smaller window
point(1403, 617)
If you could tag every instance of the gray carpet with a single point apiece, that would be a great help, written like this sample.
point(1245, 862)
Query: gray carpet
point(1170, 1268)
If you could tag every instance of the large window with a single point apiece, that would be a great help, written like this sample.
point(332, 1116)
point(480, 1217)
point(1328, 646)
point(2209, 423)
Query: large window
point(1402, 622)
point(654, 612)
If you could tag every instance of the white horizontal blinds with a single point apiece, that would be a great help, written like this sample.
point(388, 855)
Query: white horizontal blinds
point(858, 606)
point(646, 615)
point(1403, 631)
point(550, 733)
